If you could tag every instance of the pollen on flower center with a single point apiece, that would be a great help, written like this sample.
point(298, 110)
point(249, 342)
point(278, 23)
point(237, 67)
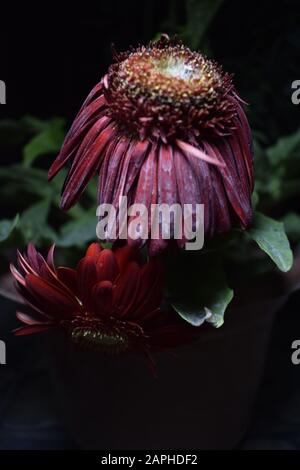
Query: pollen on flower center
point(177, 68)
point(111, 342)
point(166, 90)
point(170, 75)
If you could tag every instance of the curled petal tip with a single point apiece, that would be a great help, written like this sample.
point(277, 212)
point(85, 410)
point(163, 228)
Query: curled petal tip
point(188, 148)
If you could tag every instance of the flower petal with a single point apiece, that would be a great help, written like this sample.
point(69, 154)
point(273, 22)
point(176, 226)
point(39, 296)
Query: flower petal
point(107, 266)
point(68, 277)
point(126, 289)
point(86, 279)
point(103, 298)
point(94, 250)
point(84, 169)
point(29, 330)
point(53, 300)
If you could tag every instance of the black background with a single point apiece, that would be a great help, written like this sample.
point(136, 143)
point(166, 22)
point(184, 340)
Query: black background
point(52, 53)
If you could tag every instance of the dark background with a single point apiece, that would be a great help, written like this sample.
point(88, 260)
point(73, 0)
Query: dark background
point(53, 53)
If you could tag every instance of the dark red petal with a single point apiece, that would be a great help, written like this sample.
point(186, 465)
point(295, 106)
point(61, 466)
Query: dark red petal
point(237, 194)
point(107, 266)
point(29, 330)
point(84, 137)
point(86, 279)
point(25, 265)
point(92, 94)
point(138, 153)
point(126, 289)
point(29, 320)
point(114, 170)
point(85, 169)
point(166, 194)
point(145, 194)
point(32, 257)
point(17, 275)
point(205, 182)
point(196, 152)
point(47, 274)
point(167, 185)
point(68, 277)
point(127, 173)
point(150, 293)
point(94, 250)
point(156, 246)
point(124, 255)
point(188, 184)
point(103, 167)
point(70, 148)
point(221, 210)
point(240, 162)
point(88, 138)
point(83, 123)
point(84, 115)
point(245, 137)
point(33, 302)
point(103, 298)
point(52, 300)
point(50, 257)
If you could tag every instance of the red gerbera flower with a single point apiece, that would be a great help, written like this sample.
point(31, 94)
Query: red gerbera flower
point(110, 302)
point(164, 126)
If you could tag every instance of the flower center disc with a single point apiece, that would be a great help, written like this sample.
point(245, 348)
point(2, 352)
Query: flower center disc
point(110, 342)
point(176, 68)
point(172, 75)
point(167, 91)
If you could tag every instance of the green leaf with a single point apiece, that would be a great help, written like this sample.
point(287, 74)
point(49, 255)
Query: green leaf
point(285, 148)
point(34, 124)
point(292, 225)
point(191, 313)
point(255, 198)
point(78, 232)
point(12, 133)
point(32, 180)
point(270, 236)
point(33, 223)
point(199, 17)
point(47, 141)
point(204, 293)
point(7, 226)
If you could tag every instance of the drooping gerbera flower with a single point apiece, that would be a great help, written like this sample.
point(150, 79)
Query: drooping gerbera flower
point(109, 303)
point(164, 126)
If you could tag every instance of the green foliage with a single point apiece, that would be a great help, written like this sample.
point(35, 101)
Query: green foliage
point(291, 223)
point(78, 232)
point(287, 148)
point(7, 227)
point(34, 224)
point(270, 236)
point(278, 170)
point(30, 180)
point(48, 140)
point(197, 288)
point(199, 15)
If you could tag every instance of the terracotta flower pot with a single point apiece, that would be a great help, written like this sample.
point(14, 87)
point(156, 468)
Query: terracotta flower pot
point(203, 397)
